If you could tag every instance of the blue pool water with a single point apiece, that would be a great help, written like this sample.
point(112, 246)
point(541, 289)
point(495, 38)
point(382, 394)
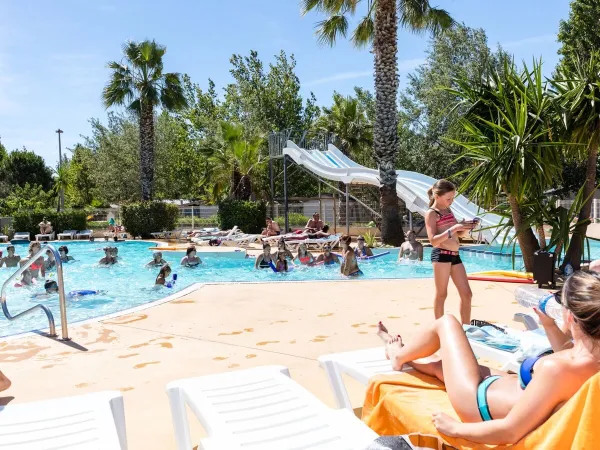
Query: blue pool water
point(129, 283)
point(594, 249)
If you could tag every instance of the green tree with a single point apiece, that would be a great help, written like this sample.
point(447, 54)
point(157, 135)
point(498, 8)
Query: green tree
point(26, 197)
point(580, 33)
point(22, 167)
point(81, 168)
point(379, 27)
point(138, 82)
point(62, 183)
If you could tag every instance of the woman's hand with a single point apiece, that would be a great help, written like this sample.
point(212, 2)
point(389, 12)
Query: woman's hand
point(544, 319)
point(445, 424)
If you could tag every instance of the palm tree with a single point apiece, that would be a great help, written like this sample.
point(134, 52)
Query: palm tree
point(231, 163)
point(62, 183)
point(138, 82)
point(578, 91)
point(379, 28)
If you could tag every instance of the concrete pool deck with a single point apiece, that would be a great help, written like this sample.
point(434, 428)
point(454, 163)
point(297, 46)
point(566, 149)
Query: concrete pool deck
point(226, 327)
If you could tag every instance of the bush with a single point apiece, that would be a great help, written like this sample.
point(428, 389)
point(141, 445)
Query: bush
point(294, 219)
point(249, 216)
point(66, 220)
point(97, 224)
point(141, 219)
point(199, 222)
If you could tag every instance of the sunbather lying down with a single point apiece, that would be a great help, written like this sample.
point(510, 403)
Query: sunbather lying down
point(495, 407)
point(303, 235)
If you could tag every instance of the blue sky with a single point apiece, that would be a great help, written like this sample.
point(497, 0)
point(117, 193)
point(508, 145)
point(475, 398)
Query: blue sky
point(53, 54)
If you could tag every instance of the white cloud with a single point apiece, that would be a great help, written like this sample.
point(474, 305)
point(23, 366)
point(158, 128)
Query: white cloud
point(403, 66)
point(542, 39)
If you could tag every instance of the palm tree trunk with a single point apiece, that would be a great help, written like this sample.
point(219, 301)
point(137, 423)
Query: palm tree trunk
point(526, 238)
point(575, 250)
point(147, 150)
point(385, 131)
point(542, 234)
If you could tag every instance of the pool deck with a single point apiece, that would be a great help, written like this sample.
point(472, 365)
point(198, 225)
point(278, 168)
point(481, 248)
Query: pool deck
point(225, 327)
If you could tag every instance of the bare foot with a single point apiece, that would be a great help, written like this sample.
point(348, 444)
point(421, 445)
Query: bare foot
point(392, 343)
point(4, 382)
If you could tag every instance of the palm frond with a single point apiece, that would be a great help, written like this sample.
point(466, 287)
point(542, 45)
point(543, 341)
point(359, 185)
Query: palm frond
point(364, 32)
point(328, 30)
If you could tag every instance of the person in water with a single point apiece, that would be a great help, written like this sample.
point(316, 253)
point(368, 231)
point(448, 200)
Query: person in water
point(190, 259)
point(64, 254)
point(157, 260)
point(362, 250)
point(263, 260)
point(443, 232)
point(162, 276)
point(327, 258)
point(305, 257)
point(108, 257)
point(26, 279)
point(50, 262)
point(281, 264)
point(50, 289)
point(411, 249)
point(37, 269)
point(10, 260)
point(114, 251)
point(349, 266)
point(500, 408)
point(282, 248)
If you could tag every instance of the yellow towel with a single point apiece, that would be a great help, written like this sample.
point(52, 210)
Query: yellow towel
point(403, 404)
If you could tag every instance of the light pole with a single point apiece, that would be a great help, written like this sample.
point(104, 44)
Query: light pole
point(62, 194)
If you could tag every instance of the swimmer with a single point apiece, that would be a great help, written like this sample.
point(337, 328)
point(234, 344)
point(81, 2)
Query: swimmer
point(411, 249)
point(281, 265)
point(108, 257)
point(305, 257)
point(190, 259)
point(26, 279)
point(327, 258)
point(282, 248)
point(263, 260)
point(37, 267)
point(161, 279)
point(50, 288)
point(349, 265)
point(114, 251)
point(64, 254)
point(50, 263)
point(10, 260)
point(362, 250)
point(157, 260)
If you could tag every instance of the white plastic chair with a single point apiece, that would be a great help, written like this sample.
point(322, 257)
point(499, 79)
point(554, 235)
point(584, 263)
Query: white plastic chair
point(45, 237)
point(67, 234)
point(85, 422)
point(21, 235)
point(3, 238)
point(262, 409)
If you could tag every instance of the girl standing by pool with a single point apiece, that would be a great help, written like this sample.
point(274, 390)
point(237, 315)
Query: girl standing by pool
point(349, 265)
point(443, 232)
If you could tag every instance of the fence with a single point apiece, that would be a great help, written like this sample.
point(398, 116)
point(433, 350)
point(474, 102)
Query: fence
point(595, 216)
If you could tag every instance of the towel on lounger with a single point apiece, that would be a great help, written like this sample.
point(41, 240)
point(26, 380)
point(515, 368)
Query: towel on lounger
point(402, 405)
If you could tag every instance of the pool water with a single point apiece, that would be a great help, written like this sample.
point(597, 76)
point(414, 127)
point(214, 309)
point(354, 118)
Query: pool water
point(129, 283)
point(594, 249)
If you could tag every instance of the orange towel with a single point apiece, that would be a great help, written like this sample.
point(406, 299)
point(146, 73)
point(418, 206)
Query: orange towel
point(403, 404)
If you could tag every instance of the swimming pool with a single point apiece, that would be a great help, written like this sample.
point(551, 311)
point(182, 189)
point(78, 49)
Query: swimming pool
point(496, 249)
point(129, 284)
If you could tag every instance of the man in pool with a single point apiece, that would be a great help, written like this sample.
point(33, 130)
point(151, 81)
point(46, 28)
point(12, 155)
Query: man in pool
point(10, 260)
point(108, 257)
point(411, 249)
point(362, 250)
point(327, 258)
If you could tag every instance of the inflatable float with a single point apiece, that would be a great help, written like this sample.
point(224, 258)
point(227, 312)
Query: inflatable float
point(168, 249)
point(272, 266)
point(502, 276)
point(367, 258)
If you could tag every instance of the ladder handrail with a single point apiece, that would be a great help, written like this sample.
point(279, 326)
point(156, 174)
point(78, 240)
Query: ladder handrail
point(61, 293)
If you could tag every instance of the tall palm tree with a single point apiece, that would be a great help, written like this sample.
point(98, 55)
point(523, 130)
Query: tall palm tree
point(62, 183)
point(138, 83)
point(379, 28)
point(578, 90)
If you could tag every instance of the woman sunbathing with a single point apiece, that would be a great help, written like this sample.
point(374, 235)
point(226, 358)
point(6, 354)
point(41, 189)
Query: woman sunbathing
point(495, 407)
point(303, 234)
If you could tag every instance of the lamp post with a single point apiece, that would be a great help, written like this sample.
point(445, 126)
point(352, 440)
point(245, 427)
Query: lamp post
point(62, 194)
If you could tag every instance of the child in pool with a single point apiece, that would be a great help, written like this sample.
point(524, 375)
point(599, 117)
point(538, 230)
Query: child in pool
point(50, 288)
point(281, 264)
point(26, 279)
point(191, 259)
point(305, 257)
point(349, 265)
point(161, 279)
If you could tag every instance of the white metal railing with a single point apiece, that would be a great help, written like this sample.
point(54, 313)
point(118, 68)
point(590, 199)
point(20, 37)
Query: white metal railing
point(595, 207)
point(61, 294)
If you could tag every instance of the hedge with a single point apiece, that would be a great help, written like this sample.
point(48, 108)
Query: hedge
point(28, 221)
point(248, 216)
point(294, 220)
point(141, 219)
point(199, 222)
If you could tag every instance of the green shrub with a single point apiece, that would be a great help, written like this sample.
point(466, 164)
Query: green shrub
point(141, 219)
point(97, 224)
point(294, 219)
point(28, 221)
point(248, 216)
point(199, 222)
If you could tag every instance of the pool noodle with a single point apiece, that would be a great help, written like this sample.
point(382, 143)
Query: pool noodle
point(374, 256)
point(500, 279)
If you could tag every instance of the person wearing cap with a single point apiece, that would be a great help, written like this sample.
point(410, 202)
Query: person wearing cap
point(411, 249)
point(10, 260)
point(314, 224)
point(362, 250)
point(157, 260)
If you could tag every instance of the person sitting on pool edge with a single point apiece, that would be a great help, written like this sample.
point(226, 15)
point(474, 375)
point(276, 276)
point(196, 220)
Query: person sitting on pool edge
point(263, 260)
point(305, 257)
point(45, 227)
point(411, 249)
point(327, 258)
point(64, 254)
point(349, 266)
point(157, 260)
point(190, 259)
point(108, 257)
point(362, 250)
point(10, 260)
point(161, 278)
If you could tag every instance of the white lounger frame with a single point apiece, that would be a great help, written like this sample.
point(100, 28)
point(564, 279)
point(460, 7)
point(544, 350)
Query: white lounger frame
point(261, 409)
point(67, 233)
point(85, 422)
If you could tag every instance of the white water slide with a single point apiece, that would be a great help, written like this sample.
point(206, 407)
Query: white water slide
point(411, 186)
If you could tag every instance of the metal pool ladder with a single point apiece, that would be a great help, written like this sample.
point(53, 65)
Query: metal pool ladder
point(61, 294)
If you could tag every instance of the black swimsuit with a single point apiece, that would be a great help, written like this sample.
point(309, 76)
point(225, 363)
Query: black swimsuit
point(264, 264)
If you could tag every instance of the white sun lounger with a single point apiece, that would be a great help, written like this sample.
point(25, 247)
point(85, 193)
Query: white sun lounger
point(86, 234)
point(45, 237)
point(241, 240)
point(3, 238)
point(234, 232)
point(85, 422)
point(261, 409)
point(22, 235)
point(67, 234)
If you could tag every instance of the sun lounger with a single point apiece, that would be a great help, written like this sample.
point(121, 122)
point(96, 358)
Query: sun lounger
point(67, 234)
point(234, 232)
point(45, 237)
point(241, 240)
point(262, 409)
point(85, 234)
point(3, 238)
point(91, 421)
point(22, 236)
